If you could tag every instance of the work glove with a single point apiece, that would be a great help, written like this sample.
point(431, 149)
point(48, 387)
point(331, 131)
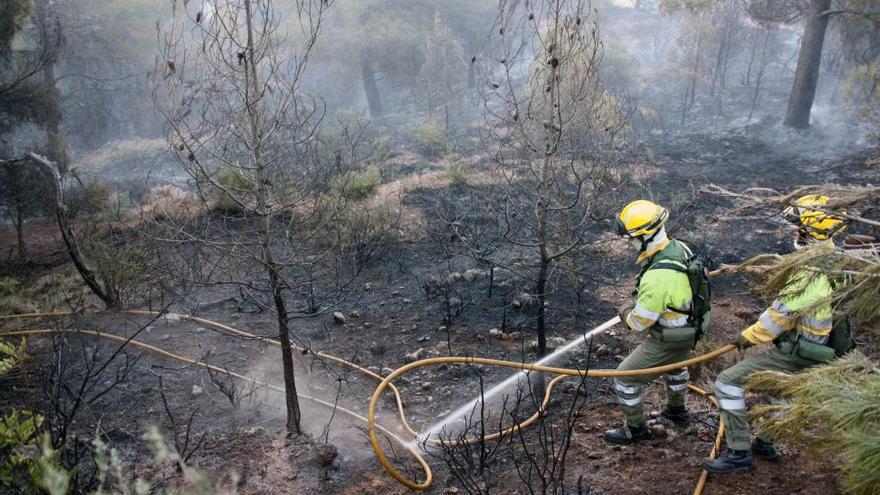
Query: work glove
point(625, 310)
point(742, 343)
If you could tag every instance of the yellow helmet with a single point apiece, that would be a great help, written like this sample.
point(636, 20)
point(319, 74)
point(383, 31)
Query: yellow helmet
point(640, 218)
point(819, 225)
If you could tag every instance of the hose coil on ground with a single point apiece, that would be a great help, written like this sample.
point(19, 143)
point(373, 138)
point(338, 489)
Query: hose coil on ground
point(386, 383)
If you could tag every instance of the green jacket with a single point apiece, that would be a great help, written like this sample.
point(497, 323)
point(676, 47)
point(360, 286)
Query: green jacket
point(660, 289)
point(804, 305)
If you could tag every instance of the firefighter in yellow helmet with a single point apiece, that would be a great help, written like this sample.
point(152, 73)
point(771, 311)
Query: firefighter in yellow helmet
point(798, 325)
point(661, 309)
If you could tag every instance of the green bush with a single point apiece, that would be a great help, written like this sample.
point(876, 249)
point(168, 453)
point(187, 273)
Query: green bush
point(96, 195)
point(357, 185)
point(363, 233)
point(92, 198)
point(380, 149)
point(234, 186)
point(458, 174)
point(18, 432)
point(236, 177)
point(431, 137)
point(121, 267)
point(358, 234)
point(8, 286)
point(51, 292)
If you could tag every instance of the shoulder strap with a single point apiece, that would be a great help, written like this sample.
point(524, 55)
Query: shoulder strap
point(670, 265)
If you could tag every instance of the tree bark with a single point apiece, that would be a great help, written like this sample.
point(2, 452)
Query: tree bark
point(19, 229)
point(472, 67)
point(760, 73)
point(803, 91)
point(264, 210)
point(56, 148)
point(374, 99)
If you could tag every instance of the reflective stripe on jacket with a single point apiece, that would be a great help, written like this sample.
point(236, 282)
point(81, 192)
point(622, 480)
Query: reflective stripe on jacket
point(660, 289)
point(804, 305)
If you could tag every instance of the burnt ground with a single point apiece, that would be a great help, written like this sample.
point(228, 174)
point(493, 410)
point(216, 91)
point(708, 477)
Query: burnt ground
point(394, 316)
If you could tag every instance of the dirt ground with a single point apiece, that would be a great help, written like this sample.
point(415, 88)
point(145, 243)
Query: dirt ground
point(393, 317)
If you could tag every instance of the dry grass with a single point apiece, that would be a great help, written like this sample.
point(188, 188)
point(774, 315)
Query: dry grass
point(172, 203)
point(119, 152)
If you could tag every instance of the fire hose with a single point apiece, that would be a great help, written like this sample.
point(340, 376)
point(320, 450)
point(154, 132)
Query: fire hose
point(385, 383)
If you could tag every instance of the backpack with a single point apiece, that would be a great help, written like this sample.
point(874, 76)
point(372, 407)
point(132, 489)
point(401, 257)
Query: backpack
point(840, 339)
point(696, 267)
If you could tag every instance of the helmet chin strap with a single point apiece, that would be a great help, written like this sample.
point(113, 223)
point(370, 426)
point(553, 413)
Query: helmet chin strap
point(656, 237)
point(647, 241)
point(801, 239)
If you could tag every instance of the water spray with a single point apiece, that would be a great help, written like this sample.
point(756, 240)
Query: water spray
point(385, 383)
point(437, 428)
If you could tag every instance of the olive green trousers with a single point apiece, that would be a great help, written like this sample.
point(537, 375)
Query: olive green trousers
point(731, 397)
point(653, 352)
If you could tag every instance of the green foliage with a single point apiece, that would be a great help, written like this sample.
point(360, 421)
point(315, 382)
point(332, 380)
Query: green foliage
point(120, 265)
point(8, 286)
point(14, 357)
point(430, 137)
point(357, 185)
point(38, 470)
point(96, 195)
point(18, 432)
point(364, 232)
point(833, 410)
point(234, 184)
point(236, 178)
point(115, 478)
point(29, 101)
point(92, 198)
point(355, 234)
point(381, 148)
point(52, 477)
point(19, 428)
point(54, 291)
point(458, 174)
point(18, 436)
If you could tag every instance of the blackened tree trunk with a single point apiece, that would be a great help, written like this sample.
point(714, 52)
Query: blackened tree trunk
point(374, 99)
point(19, 229)
point(264, 210)
point(49, 28)
point(472, 68)
point(803, 92)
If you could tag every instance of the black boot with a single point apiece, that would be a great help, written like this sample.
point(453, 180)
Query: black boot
point(765, 450)
point(677, 414)
point(733, 461)
point(627, 435)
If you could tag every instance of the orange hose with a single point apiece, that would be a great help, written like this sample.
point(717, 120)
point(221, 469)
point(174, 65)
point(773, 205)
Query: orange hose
point(385, 382)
